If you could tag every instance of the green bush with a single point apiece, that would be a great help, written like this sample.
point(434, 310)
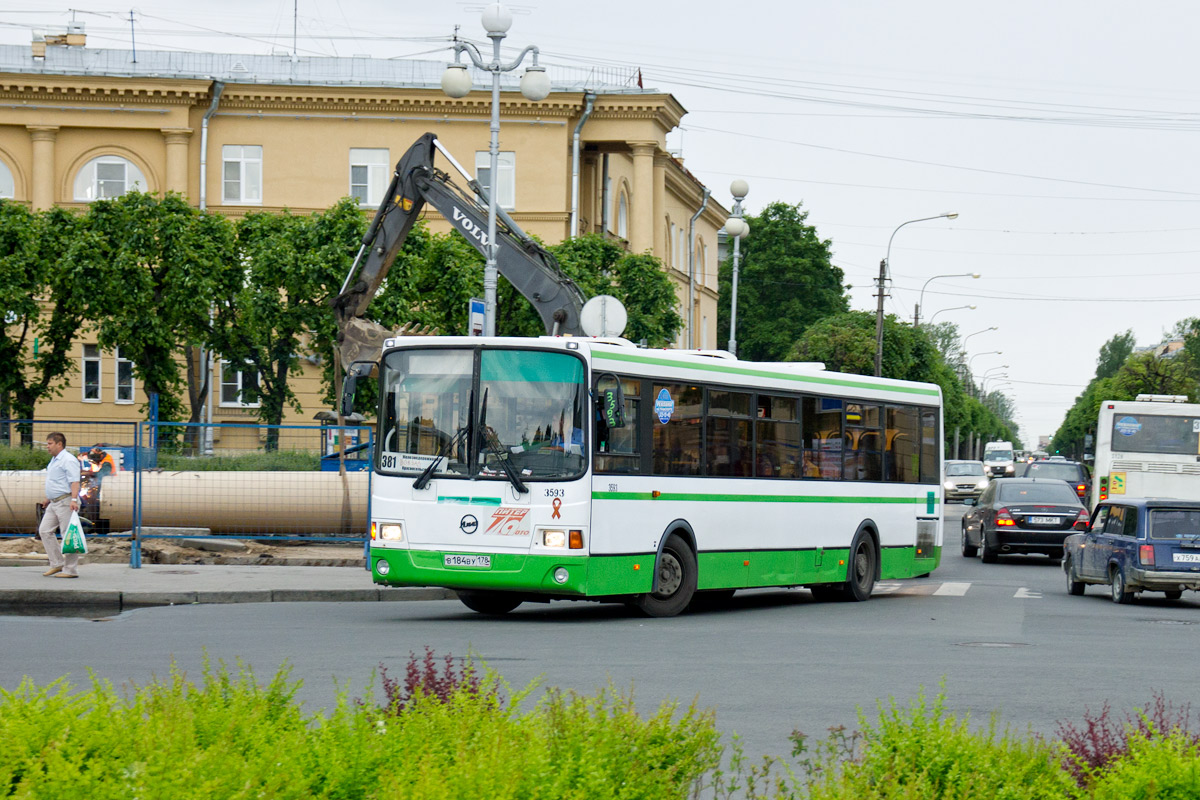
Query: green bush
point(278, 461)
point(1156, 767)
point(23, 458)
point(231, 737)
point(924, 753)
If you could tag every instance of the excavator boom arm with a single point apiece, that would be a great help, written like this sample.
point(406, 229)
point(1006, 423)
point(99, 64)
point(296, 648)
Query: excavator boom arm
point(526, 265)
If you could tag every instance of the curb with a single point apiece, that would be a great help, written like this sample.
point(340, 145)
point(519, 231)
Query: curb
point(16, 598)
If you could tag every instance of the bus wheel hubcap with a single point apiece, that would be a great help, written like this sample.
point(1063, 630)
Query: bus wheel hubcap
point(861, 566)
point(670, 575)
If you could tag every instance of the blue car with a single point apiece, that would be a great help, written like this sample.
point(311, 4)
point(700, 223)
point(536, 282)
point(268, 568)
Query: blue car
point(1137, 545)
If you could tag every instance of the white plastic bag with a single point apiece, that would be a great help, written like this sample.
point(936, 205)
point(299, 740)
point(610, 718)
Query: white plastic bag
point(73, 540)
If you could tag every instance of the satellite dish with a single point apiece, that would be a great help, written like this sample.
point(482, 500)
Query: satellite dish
point(603, 315)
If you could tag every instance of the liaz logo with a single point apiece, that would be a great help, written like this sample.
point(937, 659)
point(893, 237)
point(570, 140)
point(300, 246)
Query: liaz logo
point(509, 522)
point(469, 228)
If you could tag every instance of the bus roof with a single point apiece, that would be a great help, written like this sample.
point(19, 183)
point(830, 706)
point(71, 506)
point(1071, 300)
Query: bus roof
point(619, 355)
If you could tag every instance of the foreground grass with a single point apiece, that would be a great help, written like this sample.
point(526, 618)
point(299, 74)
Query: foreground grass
point(447, 731)
point(230, 737)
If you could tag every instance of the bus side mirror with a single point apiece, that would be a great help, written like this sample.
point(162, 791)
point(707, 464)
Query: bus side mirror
point(612, 406)
point(611, 401)
point(359, 369)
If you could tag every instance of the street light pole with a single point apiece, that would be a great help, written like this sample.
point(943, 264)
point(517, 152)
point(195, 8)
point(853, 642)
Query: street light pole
point(881, 285)
point(736, 227)
point(941, 311)
point(921, 299)
point(456, 82)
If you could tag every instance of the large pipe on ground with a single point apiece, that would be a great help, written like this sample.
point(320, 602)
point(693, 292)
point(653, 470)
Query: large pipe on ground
point(244, 503)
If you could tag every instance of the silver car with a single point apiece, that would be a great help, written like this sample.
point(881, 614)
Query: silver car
point(963, 479)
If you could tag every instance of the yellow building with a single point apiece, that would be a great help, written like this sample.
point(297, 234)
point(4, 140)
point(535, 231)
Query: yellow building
point(243, 132)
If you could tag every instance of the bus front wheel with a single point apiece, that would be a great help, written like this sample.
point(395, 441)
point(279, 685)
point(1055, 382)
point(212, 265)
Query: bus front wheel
point(675, 583)
point(490, 603)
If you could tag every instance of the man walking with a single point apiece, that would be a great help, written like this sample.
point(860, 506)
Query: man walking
point(62, 497)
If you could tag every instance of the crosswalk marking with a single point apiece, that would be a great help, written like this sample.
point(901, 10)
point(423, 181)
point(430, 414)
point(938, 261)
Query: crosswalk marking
point(947, 589)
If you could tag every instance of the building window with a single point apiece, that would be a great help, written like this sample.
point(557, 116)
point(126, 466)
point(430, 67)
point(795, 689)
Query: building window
point(238, 386)
point(622, 216)
point(704, 334)
point(91, 373)
point(124, 382)
point(8, 187)
point(672, 252)
point(506, 177)
point(242, 174)
point(368, 174)
point(702, 264)
point(106, 177)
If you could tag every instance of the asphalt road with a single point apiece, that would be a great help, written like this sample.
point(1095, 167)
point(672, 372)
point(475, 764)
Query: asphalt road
point(1003, 638)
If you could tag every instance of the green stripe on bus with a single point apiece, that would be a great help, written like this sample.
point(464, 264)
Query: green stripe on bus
point(928, 501)
point(759, 373)
point(471, 501)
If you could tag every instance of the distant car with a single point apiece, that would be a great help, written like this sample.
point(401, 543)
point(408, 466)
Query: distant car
point(1137, 545)
point(1072, 472)
point(1021, 515)
point(963, 479)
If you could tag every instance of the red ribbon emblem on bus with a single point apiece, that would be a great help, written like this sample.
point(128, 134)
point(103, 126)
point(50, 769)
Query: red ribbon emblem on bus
point(557, 507)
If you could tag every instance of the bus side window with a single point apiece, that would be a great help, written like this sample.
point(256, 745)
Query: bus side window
point(618, 450)
point(930, 461)
point(676, 444)
point(903, 455)
point(821, 423)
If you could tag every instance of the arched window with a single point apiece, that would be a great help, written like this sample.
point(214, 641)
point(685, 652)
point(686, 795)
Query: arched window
point(108, 176)
point(622, 216)
point(8, 187)
point(698, 255)
point(671, 253)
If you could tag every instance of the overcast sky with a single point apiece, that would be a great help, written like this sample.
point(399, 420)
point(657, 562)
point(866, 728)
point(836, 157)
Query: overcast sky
point(1064, 134)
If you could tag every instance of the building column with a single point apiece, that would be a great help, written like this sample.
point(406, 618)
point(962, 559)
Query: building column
point(43, 138)
point(642, 213)
point(177, 159)
point(661, 245)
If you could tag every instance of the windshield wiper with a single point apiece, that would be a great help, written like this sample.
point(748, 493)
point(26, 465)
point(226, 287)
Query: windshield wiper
point(501, 456)
point(422, 480)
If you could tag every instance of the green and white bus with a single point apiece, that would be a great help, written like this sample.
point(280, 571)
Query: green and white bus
point(514, 470)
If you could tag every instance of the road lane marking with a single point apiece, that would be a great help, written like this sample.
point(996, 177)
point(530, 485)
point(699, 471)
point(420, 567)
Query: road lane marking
point(886, 588)
point(952, 590)
point(1026, 594)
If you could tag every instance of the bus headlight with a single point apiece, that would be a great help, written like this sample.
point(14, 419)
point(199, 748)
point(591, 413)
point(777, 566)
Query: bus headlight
point(561, 575)
point(554, 538)
point(391, 532)
point(382, 566)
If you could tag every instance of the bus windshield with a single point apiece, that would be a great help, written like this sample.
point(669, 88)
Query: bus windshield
point(483, 412)
point(1149, 433)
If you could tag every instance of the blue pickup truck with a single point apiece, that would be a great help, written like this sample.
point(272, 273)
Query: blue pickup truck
point(1137, 545)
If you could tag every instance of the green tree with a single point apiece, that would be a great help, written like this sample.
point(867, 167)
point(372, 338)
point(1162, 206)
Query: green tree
point(42, 303)
point(154, 268)
point(1113, 354)
point(786, 282)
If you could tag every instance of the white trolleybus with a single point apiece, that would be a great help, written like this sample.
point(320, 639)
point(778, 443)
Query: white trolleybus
point(536, 469)
point(1148, 447)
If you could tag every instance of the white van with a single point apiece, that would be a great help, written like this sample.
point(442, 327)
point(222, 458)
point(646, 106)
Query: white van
point(998, 459)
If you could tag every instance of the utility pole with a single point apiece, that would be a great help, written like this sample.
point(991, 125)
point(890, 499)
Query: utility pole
point(879, 286)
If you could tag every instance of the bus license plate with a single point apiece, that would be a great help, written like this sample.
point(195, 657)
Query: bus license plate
point(1187, 558)
point(479, 562)
point(1043, 520)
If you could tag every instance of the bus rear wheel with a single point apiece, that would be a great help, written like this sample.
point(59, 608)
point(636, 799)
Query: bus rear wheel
point(675, 580)
point(490, 603)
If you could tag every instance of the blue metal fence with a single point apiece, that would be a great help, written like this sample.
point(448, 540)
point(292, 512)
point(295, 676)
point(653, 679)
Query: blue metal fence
point(222, 481)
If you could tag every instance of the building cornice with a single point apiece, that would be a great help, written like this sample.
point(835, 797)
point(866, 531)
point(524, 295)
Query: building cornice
point(33, 89)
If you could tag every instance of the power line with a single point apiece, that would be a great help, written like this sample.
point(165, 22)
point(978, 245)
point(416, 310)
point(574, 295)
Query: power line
point(982, 170)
